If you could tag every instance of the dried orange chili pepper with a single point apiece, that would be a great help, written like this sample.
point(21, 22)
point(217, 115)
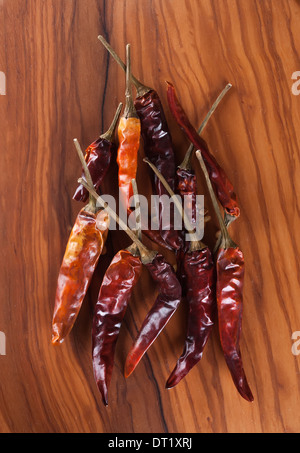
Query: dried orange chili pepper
point(129, 133)
point(229, 289)
point(82, 253)
point(158, 147)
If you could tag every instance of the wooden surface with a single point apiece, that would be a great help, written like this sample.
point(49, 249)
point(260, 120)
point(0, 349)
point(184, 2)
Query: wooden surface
point(62, 84)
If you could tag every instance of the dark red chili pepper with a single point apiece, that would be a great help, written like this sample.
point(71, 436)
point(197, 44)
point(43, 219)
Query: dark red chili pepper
point(98, 158)
point(230, 281)
point(222, 185)
point(167, 301)
point(158, 146)
point(163, 308)
point(187, 188)
point(186, 179)
point(229, 289)
point(200, 283)
point(197, 278)
point(118, 283)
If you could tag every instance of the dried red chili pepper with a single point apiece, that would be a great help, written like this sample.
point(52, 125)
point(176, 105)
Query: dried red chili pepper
point(187, 188)
point(230, 280)
point(118, 283)
point(197, 277)
point(82, 253)
point(98, 158)
point(163, 308)
point(166, 303)
point(158, 146)
point(219, 179)
point(199, 273)
point(186, 178)
point(129, 133)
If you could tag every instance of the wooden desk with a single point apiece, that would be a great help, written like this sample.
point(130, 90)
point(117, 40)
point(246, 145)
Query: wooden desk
point(61, 84)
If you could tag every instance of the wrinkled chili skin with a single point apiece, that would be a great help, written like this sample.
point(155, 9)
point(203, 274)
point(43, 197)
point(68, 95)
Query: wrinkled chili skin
point(129, 133)
point(230, 281)
point(165, 305)
point(118, 283)
point(82, 253)
point(200, 281)
point(218, 177)
point(158, 147)
point(187, 187)
point(98, 158)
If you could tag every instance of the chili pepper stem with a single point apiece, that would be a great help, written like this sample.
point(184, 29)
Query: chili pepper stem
point(92, 203)
point(195, 243)
point(228, 219)
point(147, 256)
point(133, 249)
point(186, 163)
point(141, 88)
point(226, 240)
point(137, 209)
point(108, 135)
point(129, 111)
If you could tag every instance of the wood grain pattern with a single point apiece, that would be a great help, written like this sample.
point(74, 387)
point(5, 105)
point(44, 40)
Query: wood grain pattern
point(62, 84)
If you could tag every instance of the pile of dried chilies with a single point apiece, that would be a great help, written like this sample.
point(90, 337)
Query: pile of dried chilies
point(211, 281)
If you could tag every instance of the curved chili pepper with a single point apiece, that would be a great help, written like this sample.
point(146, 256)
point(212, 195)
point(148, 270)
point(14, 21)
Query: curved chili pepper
point(168, 298)
point(98, 158)
point(186, 179)
point(82, 253)
point(222, 185)
point(158, 147)
point(196, 275)
point(163, 308)
point(230, 280)
point(129, 133)
point(118, 282)
point(200, 283)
